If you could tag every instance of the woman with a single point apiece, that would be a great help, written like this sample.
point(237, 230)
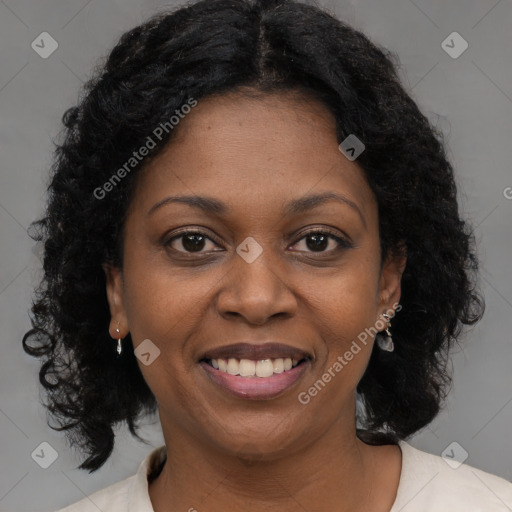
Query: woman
point(251, 229)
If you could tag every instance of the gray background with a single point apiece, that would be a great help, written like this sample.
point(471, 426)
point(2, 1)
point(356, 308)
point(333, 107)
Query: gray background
point(469, 98)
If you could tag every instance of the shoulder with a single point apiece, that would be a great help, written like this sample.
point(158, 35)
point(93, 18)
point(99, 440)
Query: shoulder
point(129, 495)
point(110, 499)
point(432, 483)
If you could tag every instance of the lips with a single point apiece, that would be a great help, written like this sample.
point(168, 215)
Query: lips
point(249, 386)
point(255, 388)
point(245, 350)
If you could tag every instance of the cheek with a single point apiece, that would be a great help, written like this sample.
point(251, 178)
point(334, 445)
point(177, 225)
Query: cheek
point(346, 306)
point(160, 301)
point(164, 310)
point(166, 306)
point(348, 299)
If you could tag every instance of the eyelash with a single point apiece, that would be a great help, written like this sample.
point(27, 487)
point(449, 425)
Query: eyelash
point(343, 244)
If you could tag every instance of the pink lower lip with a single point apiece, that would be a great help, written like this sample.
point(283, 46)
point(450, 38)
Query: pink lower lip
point(256, 388)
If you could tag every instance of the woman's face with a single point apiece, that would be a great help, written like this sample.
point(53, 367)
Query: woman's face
point(256, 271)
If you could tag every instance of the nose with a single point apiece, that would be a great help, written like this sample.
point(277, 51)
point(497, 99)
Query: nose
point(256, 291)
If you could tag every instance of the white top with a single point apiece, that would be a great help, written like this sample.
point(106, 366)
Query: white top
point(428, 483)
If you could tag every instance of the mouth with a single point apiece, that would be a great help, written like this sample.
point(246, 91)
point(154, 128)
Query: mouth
point(260, 369)
point(255, 372)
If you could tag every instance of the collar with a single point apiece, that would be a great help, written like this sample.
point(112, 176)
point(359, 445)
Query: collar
point(138, 492)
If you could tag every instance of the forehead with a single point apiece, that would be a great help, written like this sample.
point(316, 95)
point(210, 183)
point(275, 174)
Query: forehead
point(259, 151)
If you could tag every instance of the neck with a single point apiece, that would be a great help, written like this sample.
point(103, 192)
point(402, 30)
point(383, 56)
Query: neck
point(332, 473)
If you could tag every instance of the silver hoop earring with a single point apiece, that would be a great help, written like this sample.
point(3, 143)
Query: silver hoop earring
point(385, 342)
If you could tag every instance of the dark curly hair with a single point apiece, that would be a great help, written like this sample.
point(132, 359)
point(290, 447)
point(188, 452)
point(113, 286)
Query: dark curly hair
point(214, 47)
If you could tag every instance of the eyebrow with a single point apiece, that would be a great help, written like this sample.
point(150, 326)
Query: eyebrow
point(213, 206)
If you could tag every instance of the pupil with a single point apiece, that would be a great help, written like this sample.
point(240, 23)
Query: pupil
point(194, 242)
point(191, 245)
point(320, 242)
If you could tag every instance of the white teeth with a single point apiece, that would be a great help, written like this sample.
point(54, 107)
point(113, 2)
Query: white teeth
point(264, 368)
point(233, 366)
point(278, 365)
point(250, 368)
point(247, 367)
point(223, 364)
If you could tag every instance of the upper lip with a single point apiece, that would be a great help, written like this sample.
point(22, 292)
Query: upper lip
point(247, 350)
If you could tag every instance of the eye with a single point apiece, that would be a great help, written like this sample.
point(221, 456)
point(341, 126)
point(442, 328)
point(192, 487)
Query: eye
point(319, 240)
point(193, 241)
point(189, 241)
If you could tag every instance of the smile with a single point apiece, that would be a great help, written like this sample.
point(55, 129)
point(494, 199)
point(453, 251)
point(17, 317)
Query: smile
point(251, 368)
point(250, 379)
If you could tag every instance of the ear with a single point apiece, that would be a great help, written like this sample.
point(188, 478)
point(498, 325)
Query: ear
point(391, 278)
point(115, 296)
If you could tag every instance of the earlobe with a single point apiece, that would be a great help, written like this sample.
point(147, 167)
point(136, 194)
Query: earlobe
point(391, 277)
point(114, 291)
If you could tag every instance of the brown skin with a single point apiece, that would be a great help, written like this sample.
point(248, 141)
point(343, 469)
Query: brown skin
point(255, 155)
